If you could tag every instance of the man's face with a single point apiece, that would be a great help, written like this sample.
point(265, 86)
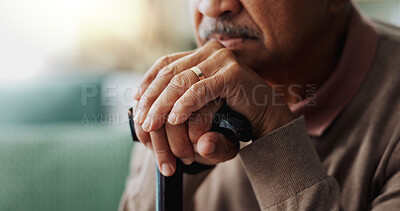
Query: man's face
point(261, 33)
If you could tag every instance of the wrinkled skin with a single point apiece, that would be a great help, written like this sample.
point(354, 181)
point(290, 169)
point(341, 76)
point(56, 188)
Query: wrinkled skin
point(245, 48)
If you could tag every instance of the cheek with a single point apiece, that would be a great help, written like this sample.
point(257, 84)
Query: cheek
point(287, 24)
point(270, 19)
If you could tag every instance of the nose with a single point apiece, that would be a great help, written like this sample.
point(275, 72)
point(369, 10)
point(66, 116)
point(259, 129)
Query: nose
point(217, 8)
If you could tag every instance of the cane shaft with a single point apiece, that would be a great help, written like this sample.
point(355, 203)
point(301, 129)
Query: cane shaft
point(169, 191)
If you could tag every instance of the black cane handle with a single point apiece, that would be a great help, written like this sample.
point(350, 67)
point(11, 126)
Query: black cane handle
point(132, 125)
point(230, 123)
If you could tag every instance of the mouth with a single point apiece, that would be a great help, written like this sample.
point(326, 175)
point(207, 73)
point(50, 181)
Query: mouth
point(232, 41)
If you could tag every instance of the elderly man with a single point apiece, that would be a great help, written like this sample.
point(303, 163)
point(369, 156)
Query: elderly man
point(320, 86)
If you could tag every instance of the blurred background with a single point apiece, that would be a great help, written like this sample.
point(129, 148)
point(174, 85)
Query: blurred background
point(67, 71)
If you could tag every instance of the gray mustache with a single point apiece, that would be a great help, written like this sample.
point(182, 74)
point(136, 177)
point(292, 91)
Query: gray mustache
point(206, 29)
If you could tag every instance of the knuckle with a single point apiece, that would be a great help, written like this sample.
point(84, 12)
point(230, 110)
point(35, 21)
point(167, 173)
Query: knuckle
point(199, 88)
point(225, 53)
point(165, 60)
point(197, 91)
point(179, 81)
point(146, 98)
point(215, 45)
point(174, 86)
point(167, 71)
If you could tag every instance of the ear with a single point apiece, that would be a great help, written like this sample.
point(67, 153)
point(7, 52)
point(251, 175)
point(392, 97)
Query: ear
point(336, 6)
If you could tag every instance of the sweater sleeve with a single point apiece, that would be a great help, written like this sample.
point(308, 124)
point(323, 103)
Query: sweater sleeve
point(388, 196)
point(286, 173)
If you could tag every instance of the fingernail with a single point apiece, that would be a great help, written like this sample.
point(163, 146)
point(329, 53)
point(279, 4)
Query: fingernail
point(211, 147)
point(138, 116)
point(166, 169)
point(207, 148)
point(134, 112)
point(146, 125)
point(173, 118)
point(187, 161)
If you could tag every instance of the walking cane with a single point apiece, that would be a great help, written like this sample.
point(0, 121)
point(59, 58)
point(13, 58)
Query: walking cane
point(169, 190)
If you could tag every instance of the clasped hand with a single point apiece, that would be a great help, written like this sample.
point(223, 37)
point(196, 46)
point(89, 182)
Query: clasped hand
point(174, 110)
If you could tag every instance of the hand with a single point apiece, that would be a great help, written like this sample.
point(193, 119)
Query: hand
point(203, 146)
point(210, 147)
point(177, 90)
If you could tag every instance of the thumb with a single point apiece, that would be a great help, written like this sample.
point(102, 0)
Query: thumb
point(216, 147)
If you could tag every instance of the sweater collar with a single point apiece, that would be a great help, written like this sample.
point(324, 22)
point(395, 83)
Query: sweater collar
point(321, 107)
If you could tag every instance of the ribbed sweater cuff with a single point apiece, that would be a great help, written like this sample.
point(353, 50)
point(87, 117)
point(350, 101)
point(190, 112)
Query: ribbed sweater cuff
point(282, 163)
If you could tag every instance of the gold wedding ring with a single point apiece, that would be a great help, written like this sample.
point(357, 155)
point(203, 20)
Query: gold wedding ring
point(198, 72)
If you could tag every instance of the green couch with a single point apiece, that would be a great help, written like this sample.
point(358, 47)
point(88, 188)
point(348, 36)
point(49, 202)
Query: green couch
point(50, 159)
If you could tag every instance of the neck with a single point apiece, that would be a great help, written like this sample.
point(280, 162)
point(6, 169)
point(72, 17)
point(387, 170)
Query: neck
point(313, 64)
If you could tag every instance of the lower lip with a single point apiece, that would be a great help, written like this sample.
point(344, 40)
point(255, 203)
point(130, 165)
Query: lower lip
point(234, 43)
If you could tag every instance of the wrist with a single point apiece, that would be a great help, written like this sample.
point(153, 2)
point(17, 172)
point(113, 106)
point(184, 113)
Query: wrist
point(274, 117)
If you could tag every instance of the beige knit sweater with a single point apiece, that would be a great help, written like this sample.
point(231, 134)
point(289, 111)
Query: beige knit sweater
point(353, 165)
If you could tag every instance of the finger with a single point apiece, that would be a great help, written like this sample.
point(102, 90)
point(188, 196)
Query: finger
point(164, 103)
point(214, 86)
point(216, 147)
point(144, 137)
point(168, 72)
point(153, 71)
point(179, 143)
point(200, 121)
point(178, 86)
point(165, 159)
point(220, 85)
